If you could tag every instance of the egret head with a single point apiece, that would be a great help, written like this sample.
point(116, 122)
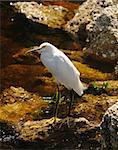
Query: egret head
point(43, 47)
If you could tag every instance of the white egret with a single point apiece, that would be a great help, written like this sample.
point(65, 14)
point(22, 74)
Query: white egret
point(61, 68)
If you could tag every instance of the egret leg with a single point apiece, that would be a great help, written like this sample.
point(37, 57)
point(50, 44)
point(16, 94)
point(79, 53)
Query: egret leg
point(57, 103)
point(67, 119)
point(71, 100)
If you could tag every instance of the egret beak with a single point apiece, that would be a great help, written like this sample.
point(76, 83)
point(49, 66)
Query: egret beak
point(33, 50)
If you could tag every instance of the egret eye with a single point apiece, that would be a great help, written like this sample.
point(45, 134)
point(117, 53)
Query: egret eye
point(44, 46)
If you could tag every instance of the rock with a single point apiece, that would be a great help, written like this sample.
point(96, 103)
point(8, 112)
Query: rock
point(53, 16)
point(14, 94)
point(17, 104)
point(55, 133)
point(109, 128)
point(31, 130)
point(93, 107)
point(7, 133)
point(95, 24)
point(36, 31)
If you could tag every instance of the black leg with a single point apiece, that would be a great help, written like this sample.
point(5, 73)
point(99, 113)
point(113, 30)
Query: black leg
point(67, 119)
point(57, 102)
point(71, 100)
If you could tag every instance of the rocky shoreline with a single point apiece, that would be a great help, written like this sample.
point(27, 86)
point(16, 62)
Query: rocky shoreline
point(27, 88)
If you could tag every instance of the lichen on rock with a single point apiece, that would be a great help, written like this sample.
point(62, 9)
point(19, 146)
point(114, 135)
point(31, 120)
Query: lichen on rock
point(53, 16)
point(109, 128)
point(96, 25)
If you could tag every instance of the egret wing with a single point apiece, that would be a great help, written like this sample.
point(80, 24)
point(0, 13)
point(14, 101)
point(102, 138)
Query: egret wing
point(63, 70)
point(67, 74)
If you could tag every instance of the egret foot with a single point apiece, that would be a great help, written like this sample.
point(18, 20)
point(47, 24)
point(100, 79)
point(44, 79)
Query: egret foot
point(55, 118)
point(65, 121)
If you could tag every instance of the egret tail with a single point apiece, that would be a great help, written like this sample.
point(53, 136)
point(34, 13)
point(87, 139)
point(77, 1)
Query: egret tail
point(79, 88)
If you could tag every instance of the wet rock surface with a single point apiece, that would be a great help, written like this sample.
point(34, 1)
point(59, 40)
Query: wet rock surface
point(95, 24)
point(109, 128)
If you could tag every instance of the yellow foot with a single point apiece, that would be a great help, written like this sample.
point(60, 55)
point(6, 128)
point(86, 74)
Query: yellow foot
point(65, 121)
point(55, 120)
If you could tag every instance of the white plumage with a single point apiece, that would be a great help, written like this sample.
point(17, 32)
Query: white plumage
point(61, 67)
